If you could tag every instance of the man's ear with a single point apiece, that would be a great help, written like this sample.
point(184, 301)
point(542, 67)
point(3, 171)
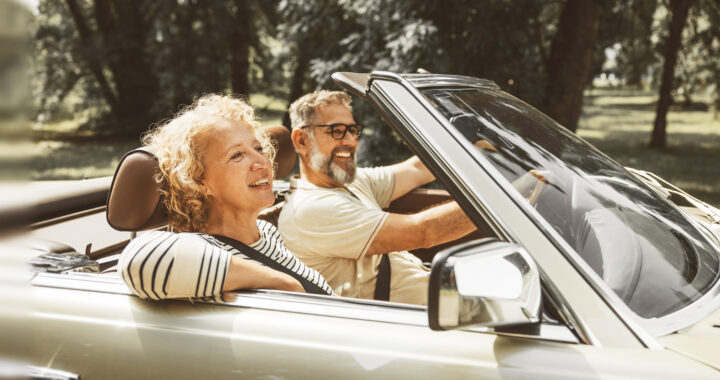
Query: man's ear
point(300, 141)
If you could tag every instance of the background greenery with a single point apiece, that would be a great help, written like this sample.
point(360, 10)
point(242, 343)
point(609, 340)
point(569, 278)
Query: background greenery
point(640, 79)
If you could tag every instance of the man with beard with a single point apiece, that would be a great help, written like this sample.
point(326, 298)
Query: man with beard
point(333, 220)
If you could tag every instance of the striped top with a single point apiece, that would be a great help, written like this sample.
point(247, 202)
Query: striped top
point(161, 264)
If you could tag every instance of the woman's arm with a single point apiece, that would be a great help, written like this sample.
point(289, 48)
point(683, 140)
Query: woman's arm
point(248, 274)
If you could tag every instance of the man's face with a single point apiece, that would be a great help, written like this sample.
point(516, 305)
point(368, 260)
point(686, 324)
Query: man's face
point(333, 158)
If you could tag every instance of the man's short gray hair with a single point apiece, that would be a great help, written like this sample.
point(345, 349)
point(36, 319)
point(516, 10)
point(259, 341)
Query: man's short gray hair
point(304, 110)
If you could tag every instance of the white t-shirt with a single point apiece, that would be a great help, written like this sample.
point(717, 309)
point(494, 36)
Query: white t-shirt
point(331, 229)
point(161, 264)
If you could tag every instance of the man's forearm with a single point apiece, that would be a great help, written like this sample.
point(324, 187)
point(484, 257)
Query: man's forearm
point(443, 223)
point(409, 175)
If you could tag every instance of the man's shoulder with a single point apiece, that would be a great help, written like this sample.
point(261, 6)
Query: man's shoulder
point(313, 201)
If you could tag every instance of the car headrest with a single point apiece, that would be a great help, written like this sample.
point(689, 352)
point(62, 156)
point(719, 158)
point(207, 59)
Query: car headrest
point(135, 202)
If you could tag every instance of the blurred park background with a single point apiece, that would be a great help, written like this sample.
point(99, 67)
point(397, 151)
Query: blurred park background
point(81, 80)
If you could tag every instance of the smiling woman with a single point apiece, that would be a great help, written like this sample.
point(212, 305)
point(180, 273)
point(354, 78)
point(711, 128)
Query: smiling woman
point(216, 168)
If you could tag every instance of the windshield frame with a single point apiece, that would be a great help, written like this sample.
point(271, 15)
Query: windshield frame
point(690, 314)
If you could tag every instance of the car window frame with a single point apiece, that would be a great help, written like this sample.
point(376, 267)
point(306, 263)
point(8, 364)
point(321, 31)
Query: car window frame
point(379, 94)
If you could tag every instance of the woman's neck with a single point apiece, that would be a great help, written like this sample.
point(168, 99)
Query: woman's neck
point(241, 227)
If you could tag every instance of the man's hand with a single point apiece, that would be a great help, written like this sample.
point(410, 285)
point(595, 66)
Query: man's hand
point(530, 184)
point(484, 144)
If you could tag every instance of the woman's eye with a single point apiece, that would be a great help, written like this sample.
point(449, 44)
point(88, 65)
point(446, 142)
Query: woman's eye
point(259, 149)
point(236, 155)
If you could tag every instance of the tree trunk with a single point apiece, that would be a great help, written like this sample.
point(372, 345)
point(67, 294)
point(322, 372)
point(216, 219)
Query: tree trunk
point(679, 9)
point(298, 80)
point(240, 54)
point(570, 61)
point(91, 54)
point(124, 31)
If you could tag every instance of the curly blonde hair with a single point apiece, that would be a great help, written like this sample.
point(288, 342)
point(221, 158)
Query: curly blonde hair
point(181, 155)
point(304, 110)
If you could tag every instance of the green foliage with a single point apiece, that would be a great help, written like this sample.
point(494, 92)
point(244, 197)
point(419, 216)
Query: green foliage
point(698, 66)
point(135, 63)
point(500, 40)
point(122, 65)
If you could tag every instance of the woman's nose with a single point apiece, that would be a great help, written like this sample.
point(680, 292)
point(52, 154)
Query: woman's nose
point(260, 161)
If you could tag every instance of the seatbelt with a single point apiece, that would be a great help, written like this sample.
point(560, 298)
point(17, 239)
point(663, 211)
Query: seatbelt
point(253, 254)
point(382, 283)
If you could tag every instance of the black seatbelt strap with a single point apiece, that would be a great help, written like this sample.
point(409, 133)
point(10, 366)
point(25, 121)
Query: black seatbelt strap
point(253, 254)
point(382, 283)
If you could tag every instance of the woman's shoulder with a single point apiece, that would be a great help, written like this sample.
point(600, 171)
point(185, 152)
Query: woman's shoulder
point(150, 239)
point(266, 228)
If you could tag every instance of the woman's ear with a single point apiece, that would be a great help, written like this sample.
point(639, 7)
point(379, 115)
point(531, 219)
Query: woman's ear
point(204, 188)
point(300, 141)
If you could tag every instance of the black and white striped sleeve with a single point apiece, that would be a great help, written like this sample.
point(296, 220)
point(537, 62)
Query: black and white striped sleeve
point(160, 265)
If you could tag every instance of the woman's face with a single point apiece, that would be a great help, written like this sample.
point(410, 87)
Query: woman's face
point(238, 175)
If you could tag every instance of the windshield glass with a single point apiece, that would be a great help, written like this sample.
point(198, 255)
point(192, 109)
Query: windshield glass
point(644, 248)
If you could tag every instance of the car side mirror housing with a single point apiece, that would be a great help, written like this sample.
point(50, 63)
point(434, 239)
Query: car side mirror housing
point(486, 282)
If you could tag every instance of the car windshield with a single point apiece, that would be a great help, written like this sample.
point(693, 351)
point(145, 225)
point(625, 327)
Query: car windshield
point(643, 247)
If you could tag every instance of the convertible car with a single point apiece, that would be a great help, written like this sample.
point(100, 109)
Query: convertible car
point(580, 268)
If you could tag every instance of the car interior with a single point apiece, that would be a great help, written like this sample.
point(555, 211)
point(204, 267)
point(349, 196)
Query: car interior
point(134, 204)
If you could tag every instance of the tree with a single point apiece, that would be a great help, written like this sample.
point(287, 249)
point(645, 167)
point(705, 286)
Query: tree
point(679, 10)
point(631, 26)
point(118, 43)
point(305, 29)
point(135, 63)
point(569, 65)
point(492, 40)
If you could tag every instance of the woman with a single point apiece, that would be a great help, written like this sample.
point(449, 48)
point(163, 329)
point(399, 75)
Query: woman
point(215, 164)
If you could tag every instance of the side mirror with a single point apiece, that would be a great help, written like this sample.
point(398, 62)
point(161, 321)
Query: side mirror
point(484, 282)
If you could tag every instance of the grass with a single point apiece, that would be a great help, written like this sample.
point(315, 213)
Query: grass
point(617, 121)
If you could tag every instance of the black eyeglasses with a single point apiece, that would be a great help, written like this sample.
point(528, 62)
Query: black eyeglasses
point(338, 130)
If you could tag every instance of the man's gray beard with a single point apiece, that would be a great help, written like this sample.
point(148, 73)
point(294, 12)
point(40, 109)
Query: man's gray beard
point(322, 163)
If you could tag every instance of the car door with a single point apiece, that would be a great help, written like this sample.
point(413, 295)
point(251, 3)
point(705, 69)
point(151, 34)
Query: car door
point(90, 325)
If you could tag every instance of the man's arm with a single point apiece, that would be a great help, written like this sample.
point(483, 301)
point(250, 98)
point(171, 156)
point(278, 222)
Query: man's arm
point(428, 228)
point(248, 274)
point(409, 175)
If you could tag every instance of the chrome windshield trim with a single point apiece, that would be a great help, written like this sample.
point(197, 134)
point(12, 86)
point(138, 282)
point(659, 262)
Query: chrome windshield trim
point(628, 317)
point(302, 303)
point(444, 80)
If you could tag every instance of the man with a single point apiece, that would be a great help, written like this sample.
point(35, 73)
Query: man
point(334, 220)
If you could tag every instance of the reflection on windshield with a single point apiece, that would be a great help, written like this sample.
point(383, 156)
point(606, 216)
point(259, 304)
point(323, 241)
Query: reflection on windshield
point(644, 248)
